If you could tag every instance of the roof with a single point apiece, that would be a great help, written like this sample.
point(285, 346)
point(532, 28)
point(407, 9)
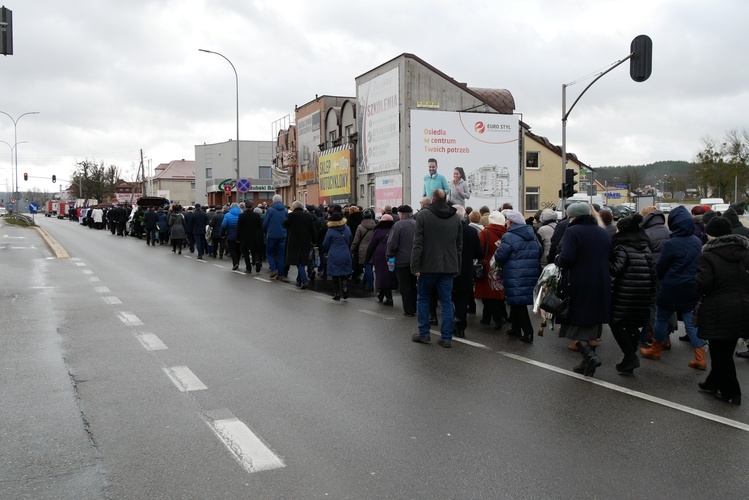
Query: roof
point(176, 170)
point(556, 149)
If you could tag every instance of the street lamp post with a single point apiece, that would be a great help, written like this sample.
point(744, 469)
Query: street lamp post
point(236, 79)
point(17, 194)
point(12, 149)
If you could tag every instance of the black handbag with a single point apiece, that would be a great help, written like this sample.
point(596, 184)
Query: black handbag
point(478, 271)
point(556, 305)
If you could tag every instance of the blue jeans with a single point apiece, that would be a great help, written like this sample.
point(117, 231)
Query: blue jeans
point(660, 332)
point(301, 277)
point(276, 246)
point(367, 280)
point(443, 283)
point(200, 244)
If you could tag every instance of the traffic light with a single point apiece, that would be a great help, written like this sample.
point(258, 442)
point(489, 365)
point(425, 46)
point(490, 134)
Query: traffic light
point(54, 178)
point(25, 176)
point(6, 32)
point(641, 62)
point(569, 183)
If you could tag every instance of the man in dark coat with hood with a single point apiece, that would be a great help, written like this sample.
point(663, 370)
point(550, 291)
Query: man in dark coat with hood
point(301, 234)
point(677, 292)
point(435, 261)
point(249, 234)
point(733, 217)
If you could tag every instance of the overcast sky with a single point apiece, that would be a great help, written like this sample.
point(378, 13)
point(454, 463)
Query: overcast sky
point(111, 77)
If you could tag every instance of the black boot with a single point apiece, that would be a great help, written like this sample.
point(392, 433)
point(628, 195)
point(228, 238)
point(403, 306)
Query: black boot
point(459, 331)
point(591, 359)
point(581, 367)
point(344, 288)
point(527, 338)
point(629, 363)
point(336, 288)
point(380, 294)
point(388, 297)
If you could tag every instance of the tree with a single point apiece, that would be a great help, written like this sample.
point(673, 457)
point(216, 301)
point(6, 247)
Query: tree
point(35, 195)
point(723, 165)
point(96, 181)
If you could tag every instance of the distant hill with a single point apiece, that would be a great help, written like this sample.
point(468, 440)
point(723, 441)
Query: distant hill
point(680, 172)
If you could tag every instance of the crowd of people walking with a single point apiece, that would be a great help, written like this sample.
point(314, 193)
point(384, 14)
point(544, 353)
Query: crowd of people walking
point(641, 276)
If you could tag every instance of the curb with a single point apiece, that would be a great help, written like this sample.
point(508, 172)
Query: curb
point(52, 243)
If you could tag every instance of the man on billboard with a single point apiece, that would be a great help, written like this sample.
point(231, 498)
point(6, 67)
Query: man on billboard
point(433, 180)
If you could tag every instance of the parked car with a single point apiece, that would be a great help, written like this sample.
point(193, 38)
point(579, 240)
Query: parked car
point(720, 207)
point(664, 207)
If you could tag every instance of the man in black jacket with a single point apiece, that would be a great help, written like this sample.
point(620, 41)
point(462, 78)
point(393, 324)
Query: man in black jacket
point(435, 261)
point(199, 221)
point(249, 231)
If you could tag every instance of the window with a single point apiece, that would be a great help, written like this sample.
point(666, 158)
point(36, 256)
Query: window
point(531, 160)
point(265, 173)
point(532, 199)
point(349, 132)
point(208, 173)
point(192, 186)
point(333, 135)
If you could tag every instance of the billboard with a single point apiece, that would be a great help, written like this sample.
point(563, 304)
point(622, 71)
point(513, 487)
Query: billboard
point(378, 114)
point(334, 176)
point(485, 145)
point(308, 137)
point(388, 191)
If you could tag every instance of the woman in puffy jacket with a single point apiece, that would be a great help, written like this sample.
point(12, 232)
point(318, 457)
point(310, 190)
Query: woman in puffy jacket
point(229, 231)
point(518, 254)
point(723, 282)
point(633, 288)
point(385, 280)
point(336, 246)
point(492, 300)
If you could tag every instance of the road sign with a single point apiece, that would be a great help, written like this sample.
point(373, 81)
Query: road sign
point(243, 185)
point(34, 207)
point(227, 189)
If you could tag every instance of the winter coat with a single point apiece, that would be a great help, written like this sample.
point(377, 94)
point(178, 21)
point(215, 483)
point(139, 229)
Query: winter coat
point(216, 225)
point(300, 229)
point(151, 220)
point(249, 229)
point(199, 221)
point(545, 232)
point(556, 239)
point(361, 240)
point(353, 221)
point(723, 281)
point(463, 283)
point(586, 278)
point(188, 221)
point(162, 223)
point(489, 239)
point(677, 265)
point(401, 241)
point(274, 219)
point(229, 224)
point(438, 240)
point(518, 254)
point(632, 279)
point(736, 226)
point(376, 250)
point(658, 233)
point(177, 226)
point(336, 246)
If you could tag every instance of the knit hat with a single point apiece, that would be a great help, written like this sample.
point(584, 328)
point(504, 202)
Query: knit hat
point(718, 226)
point(513, 216)
point(578, 209)
point(629, 223)
point(336, 216)
point(386, 217)
point(548, 214)
point(708, 216)
point(497, 218)
point(738, 207)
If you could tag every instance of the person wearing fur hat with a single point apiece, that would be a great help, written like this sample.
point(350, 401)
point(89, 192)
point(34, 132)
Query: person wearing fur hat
point(336, 247)
point(586, 280)
point(723, 282)
point(385, 280)
point(493, 300)
point(676, 268)
point(633, 288)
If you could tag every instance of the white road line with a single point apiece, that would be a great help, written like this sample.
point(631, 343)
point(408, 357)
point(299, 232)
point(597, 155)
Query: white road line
point(43, 287)
point(248, 449)
point(75, 259)
point(112, 300)
point(647, 397)
point(94, 279)
point(184, 379)
point(372, 313)
point(87, 271)
point(219, 265)
point(201, 261)
point(129, 319)
point(262, 279)
point(80, 264)
point(462, 341)
point(101, 289)
point(237, 271)
point(151, 342)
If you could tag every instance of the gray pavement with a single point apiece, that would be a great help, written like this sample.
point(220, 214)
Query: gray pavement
point(335, 391)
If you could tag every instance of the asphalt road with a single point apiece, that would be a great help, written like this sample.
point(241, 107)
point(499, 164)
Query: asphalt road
point(131, 372)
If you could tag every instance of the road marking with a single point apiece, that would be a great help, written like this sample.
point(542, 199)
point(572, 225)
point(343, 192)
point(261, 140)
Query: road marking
point(87, 271)
point(647, 397)
point(262, 279)
point(462, 341)
point(94, 279)
point(372, 313)
point(184, 379)
point(14, 237)
point(151, 342)
point(112, 300)
point(246, 447)
point(129, 319)
point(80, 264)
point(202, 261)
point(101, 289)
point(238, 271)
point(219, 265)
point(75, 259)
point(43, 287)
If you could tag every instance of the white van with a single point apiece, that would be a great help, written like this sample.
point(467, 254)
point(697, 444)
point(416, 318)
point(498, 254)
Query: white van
point(711, 201)
point(596, 199)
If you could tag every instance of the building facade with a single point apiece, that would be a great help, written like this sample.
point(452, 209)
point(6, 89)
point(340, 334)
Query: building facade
point(174, 181)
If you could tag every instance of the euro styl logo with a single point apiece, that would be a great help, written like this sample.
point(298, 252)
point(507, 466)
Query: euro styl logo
point(479, 127)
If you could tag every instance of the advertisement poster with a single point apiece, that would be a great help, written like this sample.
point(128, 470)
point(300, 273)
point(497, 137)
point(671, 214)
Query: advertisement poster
point(334, 176)
point(485, 145)
point(388, 191)
point(308, 135)
point(379, 125)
